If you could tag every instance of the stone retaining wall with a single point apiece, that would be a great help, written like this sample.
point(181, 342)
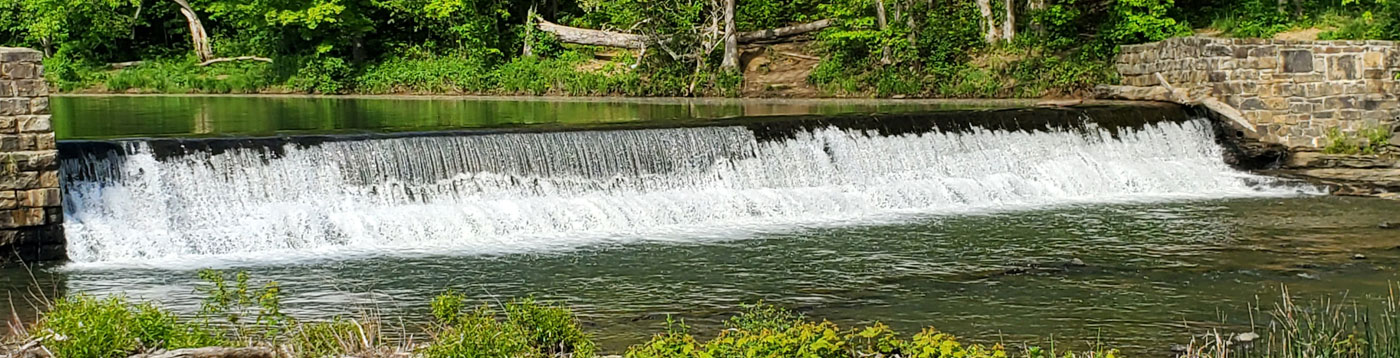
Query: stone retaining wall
point(30, 213)
point(1292, 92)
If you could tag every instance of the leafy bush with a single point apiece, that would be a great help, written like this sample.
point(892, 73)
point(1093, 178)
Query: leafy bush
point(184, 75)
point(320, 74)
point(442, 74)
point(478, 334)
point(552, 329)
point(1370, 140)
point(81, 326)
point(761, 316)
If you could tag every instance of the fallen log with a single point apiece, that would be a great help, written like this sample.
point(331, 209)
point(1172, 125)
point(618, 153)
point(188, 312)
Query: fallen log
point(239, 58)
point(121, 65)
point(787, 31)
point(211, 352)
point(591, 37)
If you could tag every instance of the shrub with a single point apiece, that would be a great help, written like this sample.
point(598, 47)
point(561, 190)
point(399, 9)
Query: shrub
point(761, 316)
point(477, 334)
point(552, 329)
point(90, 327)
point(335, 338)
point(320, 74)
point(439, 74)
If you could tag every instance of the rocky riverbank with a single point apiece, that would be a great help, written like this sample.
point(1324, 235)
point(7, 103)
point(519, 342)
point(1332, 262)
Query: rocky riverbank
point(1375, 175)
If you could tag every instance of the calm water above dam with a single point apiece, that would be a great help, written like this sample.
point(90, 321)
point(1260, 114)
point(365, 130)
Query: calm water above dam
point(977, 229)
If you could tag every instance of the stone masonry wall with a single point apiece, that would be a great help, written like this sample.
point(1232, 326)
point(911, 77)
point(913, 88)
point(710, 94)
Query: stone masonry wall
point(30, 213)
point(1292, 92)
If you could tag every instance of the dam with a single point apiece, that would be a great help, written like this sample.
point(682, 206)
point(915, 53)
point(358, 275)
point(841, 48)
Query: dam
point(1111, 220)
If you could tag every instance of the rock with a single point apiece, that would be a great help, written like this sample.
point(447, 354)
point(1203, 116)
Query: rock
point(1076, 262)
point(1177, 348)
point(1246, 337)
point(1358, 257)
point(1388, 225)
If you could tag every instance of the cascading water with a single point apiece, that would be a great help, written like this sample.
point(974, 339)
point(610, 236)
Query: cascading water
point(516, 192)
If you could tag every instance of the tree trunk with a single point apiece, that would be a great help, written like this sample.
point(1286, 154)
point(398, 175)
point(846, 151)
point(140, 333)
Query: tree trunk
point(989, 22)
point(731, 37)
point(1008, 25)
point(1036, 6)
point(199, 38)
point(884, 23)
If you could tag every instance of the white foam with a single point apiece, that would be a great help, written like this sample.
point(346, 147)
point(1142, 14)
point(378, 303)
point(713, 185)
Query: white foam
point(555, 191)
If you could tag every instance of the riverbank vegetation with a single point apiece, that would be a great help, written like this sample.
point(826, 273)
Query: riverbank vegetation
point(809, 48)
point(240, 319)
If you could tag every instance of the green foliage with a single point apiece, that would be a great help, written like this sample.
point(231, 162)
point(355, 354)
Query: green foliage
point(235, 300)
point(766, 331)
point(1370, 141)
point(552, 329)
point(335, 338)
point(320, 74)
point(185, 75)
point(439, 74)
point(81, 326)
point(1138, 21)
point(478, 333)
point(761, 316)
point(530, 329)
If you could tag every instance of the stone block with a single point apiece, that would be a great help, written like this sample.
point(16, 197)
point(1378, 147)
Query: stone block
point(1344, 67)
point(9, 143)
point(39, 105)
point(14, 106)
point(25, 217)
point(45, 141)
point(1218, 51)
point(1340, 102)
point(40, 198)
point(31, 88)
point(37, 160)
point(10, 54)
point(19, 71)
point(8, 200)
point(35, 123)
point(7, 88)
point(1373, 60)
point(1276, 103)
point(12, 179)
point(48, 179)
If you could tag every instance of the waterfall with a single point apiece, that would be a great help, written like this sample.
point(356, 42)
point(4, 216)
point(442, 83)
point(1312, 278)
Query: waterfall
point(514, 192)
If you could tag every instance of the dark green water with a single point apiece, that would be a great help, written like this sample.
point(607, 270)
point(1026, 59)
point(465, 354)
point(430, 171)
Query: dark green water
point(106, 117)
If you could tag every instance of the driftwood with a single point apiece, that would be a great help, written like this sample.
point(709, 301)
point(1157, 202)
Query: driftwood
point(211, 352)
point(590, 37)
point(239, 58)
point(31, 349)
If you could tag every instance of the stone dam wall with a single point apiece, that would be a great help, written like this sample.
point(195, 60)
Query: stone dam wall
point(1289, 92)
point(30, 212)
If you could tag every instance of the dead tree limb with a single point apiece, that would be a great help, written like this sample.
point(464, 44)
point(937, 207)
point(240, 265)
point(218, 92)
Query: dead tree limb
point(198, 37)
point(212, 352)
point(239, 58)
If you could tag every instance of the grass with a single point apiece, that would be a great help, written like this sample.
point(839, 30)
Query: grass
point(1320, 328)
